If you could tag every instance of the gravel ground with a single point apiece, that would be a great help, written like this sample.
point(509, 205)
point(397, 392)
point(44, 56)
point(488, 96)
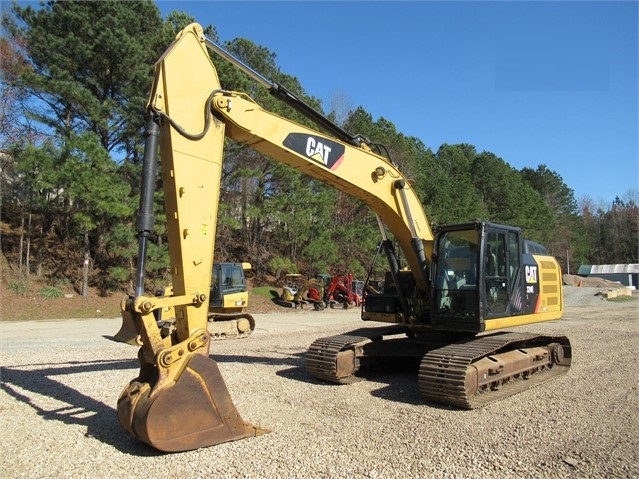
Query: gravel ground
point(61, 381)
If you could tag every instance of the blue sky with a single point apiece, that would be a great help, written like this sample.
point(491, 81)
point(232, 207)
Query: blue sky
point(551, 83)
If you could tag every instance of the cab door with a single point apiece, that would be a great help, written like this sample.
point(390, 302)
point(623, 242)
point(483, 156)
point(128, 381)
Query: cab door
point(501, 272)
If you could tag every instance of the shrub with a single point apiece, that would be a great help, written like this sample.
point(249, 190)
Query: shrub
point(51, 292)
point(19, 286)
point(279, 264)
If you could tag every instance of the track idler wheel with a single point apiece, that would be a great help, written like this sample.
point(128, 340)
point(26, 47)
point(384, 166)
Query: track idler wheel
point(195, 411)
point(558, 354)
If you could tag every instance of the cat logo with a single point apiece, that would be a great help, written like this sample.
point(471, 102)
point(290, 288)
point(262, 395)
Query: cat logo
point(531, 274)
point(321, 150)
point(317, 151)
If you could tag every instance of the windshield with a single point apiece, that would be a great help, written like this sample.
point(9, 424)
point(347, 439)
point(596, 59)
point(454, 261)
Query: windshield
point(232, 277)
point(456, 274)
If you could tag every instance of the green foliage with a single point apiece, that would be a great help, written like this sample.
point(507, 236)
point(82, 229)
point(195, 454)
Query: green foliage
point(357, 269)
point(50, 292)
point(321, 252)
point(91, 64)
point(119, 274)
point(158, 260)
point(95, 189)
point(552, 188)
point(615, 230)
point(564, 229)
point(87, 79)
point(19, 286)
point(279, 264)
point(450, 192)
point(508, 199)
point(121, 242)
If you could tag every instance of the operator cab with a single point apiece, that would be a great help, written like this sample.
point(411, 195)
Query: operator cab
point(477, 275)
point(227, 279)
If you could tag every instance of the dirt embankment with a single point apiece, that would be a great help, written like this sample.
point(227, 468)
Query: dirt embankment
point(590, 282)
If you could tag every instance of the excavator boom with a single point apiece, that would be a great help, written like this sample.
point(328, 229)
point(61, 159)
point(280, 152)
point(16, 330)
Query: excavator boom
point(355, 170)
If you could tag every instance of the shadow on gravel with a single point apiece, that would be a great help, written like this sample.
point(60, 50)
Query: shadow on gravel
point(402, 387)
point(295, 362)
point(400, 378)
point(287, 359)
point(100, 420)
point(399, 375)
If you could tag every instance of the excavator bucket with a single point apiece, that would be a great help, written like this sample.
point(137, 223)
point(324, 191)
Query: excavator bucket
point(194, 411)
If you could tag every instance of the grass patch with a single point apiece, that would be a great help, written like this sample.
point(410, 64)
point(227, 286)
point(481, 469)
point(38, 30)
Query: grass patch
point(264, 291)
point(51, 292)
point(622, 299)
point(19, 286)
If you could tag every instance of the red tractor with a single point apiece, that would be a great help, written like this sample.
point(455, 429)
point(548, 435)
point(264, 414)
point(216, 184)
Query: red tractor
point(342, 290)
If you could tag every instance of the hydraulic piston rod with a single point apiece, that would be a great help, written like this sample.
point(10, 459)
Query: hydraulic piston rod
point(285, 95)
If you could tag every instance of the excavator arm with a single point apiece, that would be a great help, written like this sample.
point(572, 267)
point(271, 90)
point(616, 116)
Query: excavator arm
point(179, 400)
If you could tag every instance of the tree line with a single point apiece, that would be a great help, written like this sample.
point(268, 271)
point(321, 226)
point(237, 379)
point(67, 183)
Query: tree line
point(75, 81)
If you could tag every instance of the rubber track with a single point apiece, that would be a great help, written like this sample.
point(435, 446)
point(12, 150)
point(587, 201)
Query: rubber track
point(321, 357)
point(442, 372)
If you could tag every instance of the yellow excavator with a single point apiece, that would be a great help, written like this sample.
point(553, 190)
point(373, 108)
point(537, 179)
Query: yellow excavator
point(298, 292)
point(461, 283)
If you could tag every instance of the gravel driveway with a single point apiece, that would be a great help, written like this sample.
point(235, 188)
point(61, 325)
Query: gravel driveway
point(61, 381)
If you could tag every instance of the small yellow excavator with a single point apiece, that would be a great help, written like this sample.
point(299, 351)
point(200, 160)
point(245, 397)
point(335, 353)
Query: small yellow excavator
point(446, 308)
point(298, 292)
point(228, 301)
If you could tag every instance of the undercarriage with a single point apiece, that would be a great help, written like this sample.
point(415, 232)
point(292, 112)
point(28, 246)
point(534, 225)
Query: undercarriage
point(466, 373)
